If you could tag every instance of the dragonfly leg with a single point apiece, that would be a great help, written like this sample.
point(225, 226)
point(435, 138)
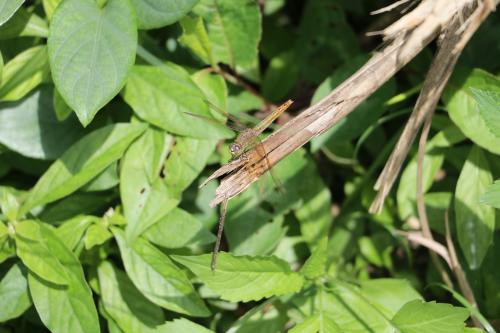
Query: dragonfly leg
point(222, 219)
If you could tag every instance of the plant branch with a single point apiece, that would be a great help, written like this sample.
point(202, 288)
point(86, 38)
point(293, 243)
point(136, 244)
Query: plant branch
point(408, 36)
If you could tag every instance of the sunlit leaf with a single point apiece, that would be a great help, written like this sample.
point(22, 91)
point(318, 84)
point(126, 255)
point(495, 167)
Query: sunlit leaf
point(158, 278)
point(159, 13)
point(244, 278)
point(14, 296)
point(475, 221)
point(23, 73)
point(81, 162)
point(91, 51)
point(418, 316)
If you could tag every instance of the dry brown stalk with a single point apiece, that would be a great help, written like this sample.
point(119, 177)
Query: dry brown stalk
point(432, 88)
point(408, 36)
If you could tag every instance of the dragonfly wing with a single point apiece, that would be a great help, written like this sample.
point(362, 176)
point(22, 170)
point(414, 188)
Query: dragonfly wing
point(237, 124)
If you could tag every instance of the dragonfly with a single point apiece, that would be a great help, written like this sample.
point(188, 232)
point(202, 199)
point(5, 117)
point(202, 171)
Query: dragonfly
point(247, 139)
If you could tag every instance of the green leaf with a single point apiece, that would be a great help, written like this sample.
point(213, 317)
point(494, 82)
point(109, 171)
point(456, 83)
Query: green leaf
point(145, 196)
point(61, 109)
point(159, 13)
point(244, 278)
point(463, 107)
point(130, 310)
point(14, 297)
point(178, 229)
point(252, 230)
point(183, 325)
point(8, 8)
point(195, 38)
point(164, 96)
point(314, 266)
point(309, 325)
point(418, 316)
point(491, 196)
point(475, 222)
point(30, 127)
point(488, 103)
point(281, 75)
point(69, 308)
point(158, 278)
point(23, 73)
point(10, 199)
point(91, 51)
point(433, 160)
point(234, 30)
point(1, 67)
point(70, 232)
point(389, 295)
point(186, 160)
point(24, 24)
point(262, 318)
point(38, 249)
point(97, 234)
point(321, 322)
point(83, 161)
point(49, 6)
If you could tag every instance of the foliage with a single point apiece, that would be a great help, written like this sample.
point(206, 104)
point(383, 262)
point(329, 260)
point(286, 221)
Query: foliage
point(109, 122)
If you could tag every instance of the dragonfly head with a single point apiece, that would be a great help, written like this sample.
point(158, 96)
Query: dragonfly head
point(235, 149)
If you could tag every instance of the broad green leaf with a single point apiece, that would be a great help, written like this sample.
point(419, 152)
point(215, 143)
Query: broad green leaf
point(475, 222)
point(39, 249)
point(488, 103)
point(145, 196)
point(262, 318)
point(10, 200)
point(244, 278)
point(8, 8)
point(68, 308)
point(61, 109)
point(281, 75)
point(389, 295)
point(234, 30)
point(463, 107)
point(314, 266)
point(252, 230)
point(81, 162)
point(76, 204)
point(186, 160)
point(49, 6)
point(165, 96)
point(106, 180)
point(182, 325)
point(320, 322)
point(351, 311)
point(91, 51)
point(24, 24)
point(491, 195)
point(158, 278)
point(178, 229)
point(309, 325)
point(129, 309)
point(1, 67)
point(195, 38)
point(418, 316)
point(23, 73)
point(97, 234)
point(14, 297)
point(159, 13)
point(30, 127)
point(433, 160)
point(70, 232)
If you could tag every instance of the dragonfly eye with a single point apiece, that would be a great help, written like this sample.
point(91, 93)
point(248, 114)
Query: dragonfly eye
point(234, 148)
